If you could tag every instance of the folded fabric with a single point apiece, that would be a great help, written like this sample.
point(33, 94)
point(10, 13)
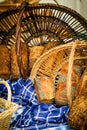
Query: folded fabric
point(31, 114)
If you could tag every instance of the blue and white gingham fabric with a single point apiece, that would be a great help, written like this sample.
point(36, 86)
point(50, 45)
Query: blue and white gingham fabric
point(31, 114)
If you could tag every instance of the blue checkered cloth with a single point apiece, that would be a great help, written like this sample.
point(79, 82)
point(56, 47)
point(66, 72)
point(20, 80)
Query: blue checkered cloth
point(31, 114)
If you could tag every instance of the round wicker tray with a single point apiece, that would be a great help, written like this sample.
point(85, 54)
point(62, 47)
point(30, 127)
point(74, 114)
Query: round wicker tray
point(42, 23)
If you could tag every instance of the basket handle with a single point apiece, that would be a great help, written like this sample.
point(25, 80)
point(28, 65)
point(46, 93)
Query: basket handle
point(9, 90)
point(18, 39)
point(70, 69)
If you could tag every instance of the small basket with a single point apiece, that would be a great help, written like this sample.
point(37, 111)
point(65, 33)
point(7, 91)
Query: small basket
point(8, 109)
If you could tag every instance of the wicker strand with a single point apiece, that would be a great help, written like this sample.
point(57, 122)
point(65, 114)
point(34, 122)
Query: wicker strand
point(69, 75)
point(43, 58)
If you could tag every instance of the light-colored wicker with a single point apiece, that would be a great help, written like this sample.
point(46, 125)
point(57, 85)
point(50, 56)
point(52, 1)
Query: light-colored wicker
point(51, 61)
point(77, 118)
point(8, 108)
point(69, 75)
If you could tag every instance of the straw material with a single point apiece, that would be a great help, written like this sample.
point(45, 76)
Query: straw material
point(8, 109)
point(38, 25)
point(48, 22)
point(69, 75)
point(51, 62)
point(78, 113)
point(82, 87)
point(78, 108)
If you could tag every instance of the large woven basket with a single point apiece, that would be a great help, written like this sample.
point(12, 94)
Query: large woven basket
point(52, 61)
point(8, 108)
point(42, 23)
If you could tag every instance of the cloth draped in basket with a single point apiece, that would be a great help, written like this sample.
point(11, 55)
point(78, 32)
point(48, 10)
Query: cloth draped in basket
point(33, 115)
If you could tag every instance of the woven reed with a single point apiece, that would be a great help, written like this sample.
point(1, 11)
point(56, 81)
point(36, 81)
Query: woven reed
point(51, 62)
point(8, 109)
point(42, 23)
point(77, 118)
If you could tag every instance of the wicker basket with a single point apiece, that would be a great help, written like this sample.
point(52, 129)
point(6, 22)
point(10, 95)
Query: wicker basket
point(52, 61)
point(42, 23)
point(8, 109)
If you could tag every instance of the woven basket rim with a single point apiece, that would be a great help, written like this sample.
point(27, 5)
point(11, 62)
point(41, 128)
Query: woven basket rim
point(10, 110)
point(43, 5)
point(62, 15)
point(43, 56)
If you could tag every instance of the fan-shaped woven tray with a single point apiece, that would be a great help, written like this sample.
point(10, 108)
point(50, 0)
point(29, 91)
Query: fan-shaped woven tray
point(42, 23)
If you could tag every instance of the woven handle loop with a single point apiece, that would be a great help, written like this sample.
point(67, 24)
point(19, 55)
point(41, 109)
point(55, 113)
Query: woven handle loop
point(70, 69)
point(18, 39)
point(9, 90)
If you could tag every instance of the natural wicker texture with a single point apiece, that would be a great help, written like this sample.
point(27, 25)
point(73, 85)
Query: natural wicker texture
point(78, 113)
point(78, 108)
point(82, 87)
point(69, 75)
point(42, 23)
point(8, 109)
point(52, 61)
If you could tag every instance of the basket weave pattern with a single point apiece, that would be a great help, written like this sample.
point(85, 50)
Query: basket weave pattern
point(52, 61)
point(42, 23)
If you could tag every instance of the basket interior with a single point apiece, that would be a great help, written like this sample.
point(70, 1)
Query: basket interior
point(42, 23)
